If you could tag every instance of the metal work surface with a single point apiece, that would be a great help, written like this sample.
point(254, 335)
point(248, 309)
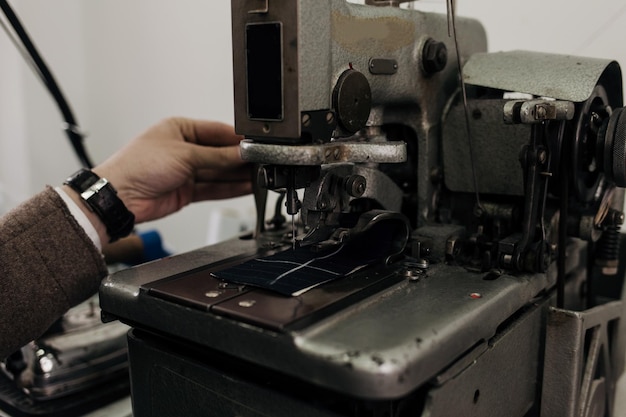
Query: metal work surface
point(381, 347)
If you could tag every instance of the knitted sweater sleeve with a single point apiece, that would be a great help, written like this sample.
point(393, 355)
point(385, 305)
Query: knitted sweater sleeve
point(47, 265)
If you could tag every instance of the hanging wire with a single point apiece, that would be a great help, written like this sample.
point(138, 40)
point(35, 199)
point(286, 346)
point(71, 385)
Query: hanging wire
point(27, 49)
point(452, 34)
point(20, 48)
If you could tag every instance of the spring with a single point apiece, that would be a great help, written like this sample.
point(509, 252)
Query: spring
point(608, 245)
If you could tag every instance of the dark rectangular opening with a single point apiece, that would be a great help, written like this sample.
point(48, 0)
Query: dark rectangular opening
point(264, 71)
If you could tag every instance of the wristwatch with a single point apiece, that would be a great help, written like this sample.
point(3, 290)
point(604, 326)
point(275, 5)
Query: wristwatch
point(101, 198)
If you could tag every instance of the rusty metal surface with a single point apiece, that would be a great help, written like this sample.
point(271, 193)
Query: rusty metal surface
point(327, 153)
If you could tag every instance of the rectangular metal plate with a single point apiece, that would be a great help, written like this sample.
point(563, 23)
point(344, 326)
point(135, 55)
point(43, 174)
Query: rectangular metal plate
point(201, 290)
point(275, 311)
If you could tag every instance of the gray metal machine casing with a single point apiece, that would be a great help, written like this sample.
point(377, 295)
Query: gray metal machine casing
point(427, 334)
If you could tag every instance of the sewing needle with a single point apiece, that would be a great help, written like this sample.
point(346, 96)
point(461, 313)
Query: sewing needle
point(293, 232)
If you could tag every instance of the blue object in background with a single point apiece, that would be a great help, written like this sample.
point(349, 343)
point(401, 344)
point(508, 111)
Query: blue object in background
point(152, 246)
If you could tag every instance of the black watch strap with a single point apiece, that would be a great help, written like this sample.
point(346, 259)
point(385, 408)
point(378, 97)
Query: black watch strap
point(102, 199)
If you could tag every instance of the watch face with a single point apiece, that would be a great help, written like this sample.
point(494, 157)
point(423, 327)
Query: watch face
point(82, 180)
point(102, 199)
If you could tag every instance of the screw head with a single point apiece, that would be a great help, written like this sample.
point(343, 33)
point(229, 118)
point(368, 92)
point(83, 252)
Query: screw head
point(356, 185)
point(212, 294)
point(413, 274)
point(247, 303)
point(434, 56)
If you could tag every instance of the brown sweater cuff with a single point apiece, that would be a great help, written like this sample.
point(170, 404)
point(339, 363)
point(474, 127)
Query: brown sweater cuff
point(48, 265)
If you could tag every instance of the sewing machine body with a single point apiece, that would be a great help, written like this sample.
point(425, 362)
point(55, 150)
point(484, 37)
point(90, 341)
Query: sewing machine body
point(356, 108)
point(382, 346)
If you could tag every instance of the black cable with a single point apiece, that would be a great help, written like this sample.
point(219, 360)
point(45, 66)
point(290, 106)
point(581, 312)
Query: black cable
point(72, 130)
point(20, 48)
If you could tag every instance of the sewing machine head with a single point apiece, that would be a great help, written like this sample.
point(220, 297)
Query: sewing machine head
point(361, 106)
point(332, 97)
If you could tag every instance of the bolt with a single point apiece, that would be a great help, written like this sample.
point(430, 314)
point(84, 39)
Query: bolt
point(46, 363)
point(330, 117)
point(596, 120)
point(541, 112)
point(356, 185)
point(323, 203)
point(614, 218)
point(306, 120)
point(434, 56)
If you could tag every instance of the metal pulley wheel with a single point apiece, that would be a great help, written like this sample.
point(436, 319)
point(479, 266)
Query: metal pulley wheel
point(611, 147)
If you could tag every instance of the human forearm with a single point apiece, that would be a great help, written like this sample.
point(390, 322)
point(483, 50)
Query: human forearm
point(48, 264)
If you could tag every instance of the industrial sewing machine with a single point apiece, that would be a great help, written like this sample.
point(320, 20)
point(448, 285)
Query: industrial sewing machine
point(452, 251)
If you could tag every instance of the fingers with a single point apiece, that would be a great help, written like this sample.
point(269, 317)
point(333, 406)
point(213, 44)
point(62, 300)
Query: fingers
point(220, 184)
point(225, 157)
point(205, 132)
point(223, 175)
point(214, 182)
point(221, 190)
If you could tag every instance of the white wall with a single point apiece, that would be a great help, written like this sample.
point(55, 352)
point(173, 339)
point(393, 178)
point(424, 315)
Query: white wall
point(13, 146)
point(125, 64)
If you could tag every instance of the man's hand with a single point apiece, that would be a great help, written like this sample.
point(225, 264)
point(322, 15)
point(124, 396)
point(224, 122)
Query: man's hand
point(174, 163)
